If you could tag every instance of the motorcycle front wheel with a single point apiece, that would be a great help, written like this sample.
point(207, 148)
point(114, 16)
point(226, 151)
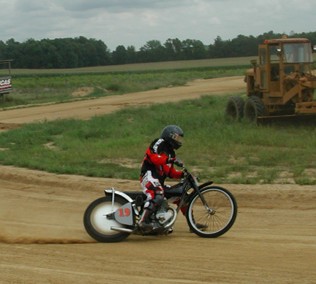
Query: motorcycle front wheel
point(214, 217)
point(98, 224)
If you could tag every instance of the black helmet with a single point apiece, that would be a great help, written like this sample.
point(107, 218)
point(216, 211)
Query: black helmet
point(172, 134)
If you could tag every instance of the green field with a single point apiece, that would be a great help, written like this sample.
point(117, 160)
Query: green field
point(113, 145)
point(56, 86)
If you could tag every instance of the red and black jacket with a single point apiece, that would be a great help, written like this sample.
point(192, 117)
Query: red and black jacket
point(157, 160)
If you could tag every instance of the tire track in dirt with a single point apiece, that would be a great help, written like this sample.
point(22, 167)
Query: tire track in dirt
point(31, 240)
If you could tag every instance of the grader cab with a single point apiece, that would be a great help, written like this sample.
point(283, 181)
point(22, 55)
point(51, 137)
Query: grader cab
point(280, 83)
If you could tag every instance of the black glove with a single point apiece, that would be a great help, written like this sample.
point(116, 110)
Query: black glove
point(178, 162)
point(170, 160)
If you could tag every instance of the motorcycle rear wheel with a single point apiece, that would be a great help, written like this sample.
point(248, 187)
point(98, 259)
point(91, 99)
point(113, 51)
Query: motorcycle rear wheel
point(217, 217)
point(98, 225)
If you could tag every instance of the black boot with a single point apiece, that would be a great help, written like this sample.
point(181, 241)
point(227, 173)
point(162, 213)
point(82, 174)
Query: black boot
point(144, 223)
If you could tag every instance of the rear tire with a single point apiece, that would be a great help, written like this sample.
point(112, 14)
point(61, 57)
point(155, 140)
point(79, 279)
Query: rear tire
point(253, 109)
point(215, 219)
point(98, 225)
point(235, 108)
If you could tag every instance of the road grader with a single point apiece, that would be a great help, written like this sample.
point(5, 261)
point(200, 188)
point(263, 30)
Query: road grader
point(279, 84)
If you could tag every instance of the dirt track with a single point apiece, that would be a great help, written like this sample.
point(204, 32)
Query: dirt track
point(42, 239)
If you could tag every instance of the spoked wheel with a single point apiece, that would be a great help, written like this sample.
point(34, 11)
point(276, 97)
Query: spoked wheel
point(98, 225)
point(214, 218)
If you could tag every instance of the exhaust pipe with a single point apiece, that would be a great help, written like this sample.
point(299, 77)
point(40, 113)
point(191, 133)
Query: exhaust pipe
point(172, 221)
point(125, 230)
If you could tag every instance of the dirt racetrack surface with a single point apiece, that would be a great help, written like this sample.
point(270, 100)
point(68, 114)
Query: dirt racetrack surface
point(42, 239)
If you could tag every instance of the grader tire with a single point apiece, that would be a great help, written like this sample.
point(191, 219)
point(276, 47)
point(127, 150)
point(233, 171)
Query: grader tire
point(253, 109)
point(235, 108)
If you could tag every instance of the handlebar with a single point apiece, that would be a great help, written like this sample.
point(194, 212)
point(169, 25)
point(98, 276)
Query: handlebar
point(179, 163)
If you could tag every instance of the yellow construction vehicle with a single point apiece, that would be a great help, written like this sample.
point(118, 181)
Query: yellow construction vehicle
point(280, 83)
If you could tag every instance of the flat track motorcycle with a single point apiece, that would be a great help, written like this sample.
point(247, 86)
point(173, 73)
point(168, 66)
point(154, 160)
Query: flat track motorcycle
point(210, 211)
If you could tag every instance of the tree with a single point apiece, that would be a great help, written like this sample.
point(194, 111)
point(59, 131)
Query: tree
point(119, 56)
point(219, 49)
point(2, 50)
point(152, 51)
point(173, 48)
point(243, 46)
point(13, 51)
point(81, 52)
point(131, 54)
point(194, 49)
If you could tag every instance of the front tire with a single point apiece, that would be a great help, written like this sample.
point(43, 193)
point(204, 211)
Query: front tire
point(216, 217)
point(98, 225)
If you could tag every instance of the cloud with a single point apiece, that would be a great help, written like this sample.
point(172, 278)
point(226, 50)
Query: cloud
point(134, 22)
point(120, 6)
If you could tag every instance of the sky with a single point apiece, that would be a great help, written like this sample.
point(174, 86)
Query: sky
point(135, 22)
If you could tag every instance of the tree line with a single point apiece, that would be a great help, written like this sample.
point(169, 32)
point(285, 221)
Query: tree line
point(83, 52)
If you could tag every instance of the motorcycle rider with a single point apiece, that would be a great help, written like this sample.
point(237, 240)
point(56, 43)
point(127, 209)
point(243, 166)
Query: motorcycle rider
point(157, 165)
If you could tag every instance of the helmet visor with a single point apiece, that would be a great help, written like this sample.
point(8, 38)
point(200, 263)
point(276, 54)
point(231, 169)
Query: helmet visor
point(177, 138)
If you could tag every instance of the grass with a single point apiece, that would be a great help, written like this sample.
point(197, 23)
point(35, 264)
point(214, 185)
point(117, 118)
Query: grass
point(113, 145)
point(56, 86)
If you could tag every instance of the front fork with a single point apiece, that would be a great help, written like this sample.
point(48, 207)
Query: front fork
point(197, 188)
